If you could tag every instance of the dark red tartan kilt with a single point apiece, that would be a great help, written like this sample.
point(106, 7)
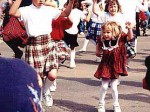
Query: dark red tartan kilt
point(15, 29)
point(145, 85)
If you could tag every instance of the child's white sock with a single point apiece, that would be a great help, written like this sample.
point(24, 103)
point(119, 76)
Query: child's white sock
point(53, 86)
point(46, 86)
point(114, 86)
point(72, 59)
point(103, 91)
point(86, 41)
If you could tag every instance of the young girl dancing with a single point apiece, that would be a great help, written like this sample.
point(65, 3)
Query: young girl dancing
point(113, 64)
point(39, 53)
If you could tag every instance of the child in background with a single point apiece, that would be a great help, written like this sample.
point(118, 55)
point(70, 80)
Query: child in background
point(4, 4)
point(113, 64)
point(2, 8)
point(82, 24)
point(71, 34)
point(14, 33)
point(143, 22)
point(94, 26)
point(58, 27)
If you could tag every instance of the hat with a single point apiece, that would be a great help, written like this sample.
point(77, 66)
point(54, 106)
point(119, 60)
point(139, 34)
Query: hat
point(19, 88)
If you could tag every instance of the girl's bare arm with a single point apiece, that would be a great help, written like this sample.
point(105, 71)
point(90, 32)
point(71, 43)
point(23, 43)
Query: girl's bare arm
point(66, 12)
point(14, 8)
point(129, 26)
point(99, 50)
point(88, 17)
point(94, 7)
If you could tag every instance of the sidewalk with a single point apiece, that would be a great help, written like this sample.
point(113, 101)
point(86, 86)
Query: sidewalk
point(78, 90)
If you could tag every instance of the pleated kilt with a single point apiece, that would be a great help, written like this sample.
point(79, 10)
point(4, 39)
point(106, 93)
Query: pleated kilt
point(61, 48)
point(41, 54)
point(94, 31)
point(15, 30)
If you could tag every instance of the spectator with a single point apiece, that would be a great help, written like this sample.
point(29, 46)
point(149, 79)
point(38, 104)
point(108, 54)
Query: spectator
point(19, 87)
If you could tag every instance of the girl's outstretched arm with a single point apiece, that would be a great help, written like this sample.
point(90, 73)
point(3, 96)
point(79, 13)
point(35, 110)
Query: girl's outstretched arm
point(14, 8)
point(94, 7)
point(66, 12)
point(88, 17)
point(129, 26)
point(98, 48)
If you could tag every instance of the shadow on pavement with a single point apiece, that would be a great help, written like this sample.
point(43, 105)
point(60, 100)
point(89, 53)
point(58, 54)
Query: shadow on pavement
point(136, 70)
point(131, 83)
point(69, 106)
point(86, 81)
point(140, 97)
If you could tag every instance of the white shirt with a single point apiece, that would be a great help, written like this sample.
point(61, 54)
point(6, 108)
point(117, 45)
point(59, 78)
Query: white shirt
point(94, 17)
point(129, 8)
point(148, 2)
point(119, 18)
point(76, 15)
point(38, 20)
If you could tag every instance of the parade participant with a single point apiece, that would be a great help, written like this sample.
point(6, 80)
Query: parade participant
point(113, 64)
point(71, 34)
point(20, 89)
point(38, 19)
point(58, 27)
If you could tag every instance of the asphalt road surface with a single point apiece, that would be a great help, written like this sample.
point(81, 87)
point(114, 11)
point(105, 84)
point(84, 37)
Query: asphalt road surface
point(78, 90)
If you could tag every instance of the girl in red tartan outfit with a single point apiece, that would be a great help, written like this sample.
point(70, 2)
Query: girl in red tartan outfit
point(14, 33)
point(58, 27)
point(113, 63)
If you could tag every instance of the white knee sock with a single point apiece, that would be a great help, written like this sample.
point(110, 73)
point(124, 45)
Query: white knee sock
point(114, 84)
point(72, 55)
point(103, 91)
point(72, 59)
point(86, 41)
point(135, 48)
point(46, 86)
point(53, 84)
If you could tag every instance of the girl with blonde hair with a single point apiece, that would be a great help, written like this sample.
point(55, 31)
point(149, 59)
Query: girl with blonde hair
point(113, 64)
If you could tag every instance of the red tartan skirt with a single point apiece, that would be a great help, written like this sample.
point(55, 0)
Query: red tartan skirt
point(41, 54)
point(145, 85)
point(15, 29)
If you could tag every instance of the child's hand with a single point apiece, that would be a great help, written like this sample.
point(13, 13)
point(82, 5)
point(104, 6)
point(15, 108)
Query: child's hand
point(129, 25)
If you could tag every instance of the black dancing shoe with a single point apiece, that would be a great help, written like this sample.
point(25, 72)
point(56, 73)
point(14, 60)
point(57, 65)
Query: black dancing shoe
point(19, 55)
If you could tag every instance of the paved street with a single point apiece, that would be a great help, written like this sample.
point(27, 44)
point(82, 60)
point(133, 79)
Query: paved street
point(78, 90)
